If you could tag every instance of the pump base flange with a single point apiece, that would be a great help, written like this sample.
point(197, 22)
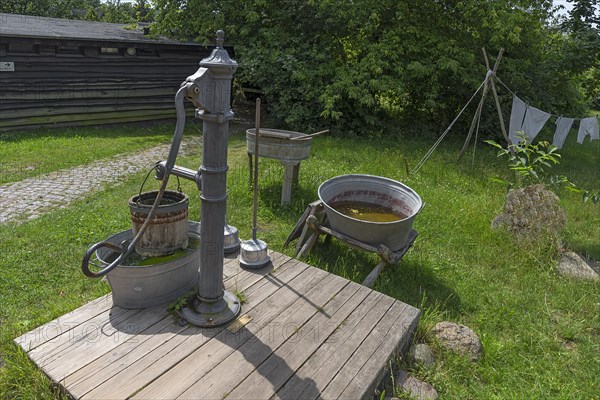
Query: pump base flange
point(205, 314)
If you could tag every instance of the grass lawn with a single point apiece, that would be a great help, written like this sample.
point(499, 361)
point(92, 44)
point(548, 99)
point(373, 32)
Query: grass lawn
point(540, 332)
point(37, 152)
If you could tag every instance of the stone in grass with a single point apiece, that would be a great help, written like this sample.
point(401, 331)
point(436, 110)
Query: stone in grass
point(532, 211)
point(416, 388)
point(421, 354)
point(458, 338)
point(572, 265)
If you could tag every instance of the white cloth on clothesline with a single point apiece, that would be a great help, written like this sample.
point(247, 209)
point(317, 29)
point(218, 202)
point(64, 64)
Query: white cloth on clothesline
point(517, 115)
point(563, 126)
point(588, 126)
point(535, 119)
point(525, 118)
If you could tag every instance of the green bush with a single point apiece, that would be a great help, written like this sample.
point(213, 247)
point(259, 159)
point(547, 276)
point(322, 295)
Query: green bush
point(532, 164)
point(363, 66)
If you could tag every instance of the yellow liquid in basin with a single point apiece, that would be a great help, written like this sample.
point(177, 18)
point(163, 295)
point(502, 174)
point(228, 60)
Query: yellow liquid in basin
point(367, 211)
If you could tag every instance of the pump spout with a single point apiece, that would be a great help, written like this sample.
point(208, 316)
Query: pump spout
point(181, 172)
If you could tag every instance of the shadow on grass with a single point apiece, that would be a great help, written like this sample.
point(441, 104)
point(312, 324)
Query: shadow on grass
point(270, 196)
point(409, 281)
point(413, 282)
point(585, 248)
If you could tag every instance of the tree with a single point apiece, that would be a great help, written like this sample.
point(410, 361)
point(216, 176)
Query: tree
point(50, 8)
point(143, 11)
point(115, 11)
point(582, 52)
point(360, 66)
point(95, 10)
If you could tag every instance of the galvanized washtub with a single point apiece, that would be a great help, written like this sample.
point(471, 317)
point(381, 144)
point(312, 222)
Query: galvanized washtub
point(278, 144)
point(140, 286)
point(376, 190)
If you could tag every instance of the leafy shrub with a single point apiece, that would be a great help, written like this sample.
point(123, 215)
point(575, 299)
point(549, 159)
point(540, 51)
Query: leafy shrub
point(532, 164)
point(363, 66)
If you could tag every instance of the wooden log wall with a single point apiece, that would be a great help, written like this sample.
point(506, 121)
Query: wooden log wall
point(72, 83)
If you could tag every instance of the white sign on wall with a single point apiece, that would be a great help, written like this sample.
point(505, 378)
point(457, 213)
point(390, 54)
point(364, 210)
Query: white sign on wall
point(7, 66)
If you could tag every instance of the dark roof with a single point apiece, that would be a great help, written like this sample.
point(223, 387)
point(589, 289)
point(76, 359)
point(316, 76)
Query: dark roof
point(29, 26)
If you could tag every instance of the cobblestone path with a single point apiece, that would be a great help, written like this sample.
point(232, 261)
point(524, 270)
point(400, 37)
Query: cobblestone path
point(32, 197)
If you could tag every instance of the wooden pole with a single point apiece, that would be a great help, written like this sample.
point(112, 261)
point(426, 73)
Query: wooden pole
point(488, 82)
point(256, 150)
point(495, 93)
point(475, 118)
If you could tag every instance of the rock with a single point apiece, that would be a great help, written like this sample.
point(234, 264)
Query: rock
point(572, 265)
point(531, 211)
point(458, 338)
point(421, 354)
point(415, 387)
point(569, 345)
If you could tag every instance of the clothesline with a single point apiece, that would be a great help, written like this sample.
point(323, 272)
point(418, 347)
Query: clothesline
point(502, 83)
point(514, 93)
point(443, 135)
point(537, 122)
point(530, 120)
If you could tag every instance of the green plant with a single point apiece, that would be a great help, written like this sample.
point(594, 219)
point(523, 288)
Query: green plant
point(179, 303)
point(182, 301)
point(532, 164)
point(241, 296)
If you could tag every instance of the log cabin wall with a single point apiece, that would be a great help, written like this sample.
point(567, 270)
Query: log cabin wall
point(71, 73)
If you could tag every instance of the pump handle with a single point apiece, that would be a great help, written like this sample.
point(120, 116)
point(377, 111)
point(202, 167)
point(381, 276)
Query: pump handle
point(85, 267)
point(125, 250)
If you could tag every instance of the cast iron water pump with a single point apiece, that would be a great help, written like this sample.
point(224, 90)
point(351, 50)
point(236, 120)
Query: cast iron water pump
point(211, 94)
point(209, 89)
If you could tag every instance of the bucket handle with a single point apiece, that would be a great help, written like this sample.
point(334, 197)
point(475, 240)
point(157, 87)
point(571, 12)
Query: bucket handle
point(155, 168)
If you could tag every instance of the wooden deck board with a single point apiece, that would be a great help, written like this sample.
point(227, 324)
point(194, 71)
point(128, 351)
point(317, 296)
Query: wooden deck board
point(203, 361)
point(337, 348)
point(387, 331)
point(306, 334)
point(283, 362)
point(153, 364)
point(51, 330)
point(225, 378)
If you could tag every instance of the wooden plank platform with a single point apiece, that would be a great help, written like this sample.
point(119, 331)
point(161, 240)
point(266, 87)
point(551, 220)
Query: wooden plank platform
point(303, 333)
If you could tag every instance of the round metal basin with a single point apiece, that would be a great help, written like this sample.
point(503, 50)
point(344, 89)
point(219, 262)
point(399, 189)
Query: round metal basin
point(378, 191)
point(140, 286)
point(276, 143)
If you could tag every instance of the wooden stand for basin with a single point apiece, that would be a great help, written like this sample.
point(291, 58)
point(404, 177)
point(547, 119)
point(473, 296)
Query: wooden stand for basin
point(291, 172)
point(288, 147)
point(313, 223)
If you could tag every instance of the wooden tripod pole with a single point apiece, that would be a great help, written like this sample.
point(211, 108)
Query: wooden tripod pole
point(495, 93)
point(488, 79)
